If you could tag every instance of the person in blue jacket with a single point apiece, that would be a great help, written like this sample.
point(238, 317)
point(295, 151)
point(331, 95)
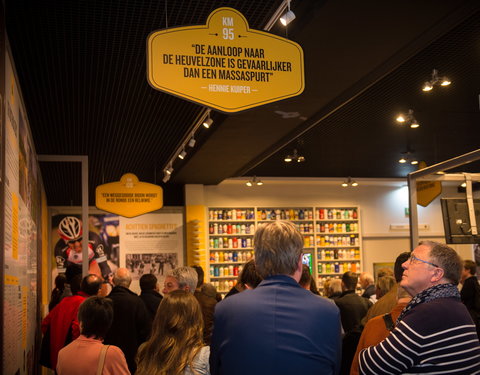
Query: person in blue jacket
point(279, 327)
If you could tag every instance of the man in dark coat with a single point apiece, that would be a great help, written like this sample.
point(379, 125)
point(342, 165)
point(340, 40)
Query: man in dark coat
point(470, 293)
point(150, 295)
point(131, 323)
point(352, 310)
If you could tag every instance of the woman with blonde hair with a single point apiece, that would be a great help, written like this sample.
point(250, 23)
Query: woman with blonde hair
point(176, 344)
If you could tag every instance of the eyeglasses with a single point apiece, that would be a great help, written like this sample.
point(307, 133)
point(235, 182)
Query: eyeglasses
point(414, 259)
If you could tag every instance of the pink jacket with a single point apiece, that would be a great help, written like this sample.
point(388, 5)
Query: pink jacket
point(81, 357)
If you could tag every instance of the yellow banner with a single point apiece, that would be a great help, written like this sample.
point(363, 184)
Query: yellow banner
point(129, 197)
point(224, 64)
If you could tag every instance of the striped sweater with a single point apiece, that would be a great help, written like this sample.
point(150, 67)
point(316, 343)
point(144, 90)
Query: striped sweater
point(436, 337)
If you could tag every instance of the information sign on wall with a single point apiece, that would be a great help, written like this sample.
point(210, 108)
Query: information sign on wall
point(129, 197)
point(224, 64)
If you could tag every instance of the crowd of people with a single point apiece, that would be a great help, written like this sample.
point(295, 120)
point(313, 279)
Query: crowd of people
point(412, 319)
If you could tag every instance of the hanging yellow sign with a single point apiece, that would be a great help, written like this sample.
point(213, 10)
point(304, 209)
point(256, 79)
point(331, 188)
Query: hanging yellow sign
point(223, 64)
point(427, 191)
point(129, 197)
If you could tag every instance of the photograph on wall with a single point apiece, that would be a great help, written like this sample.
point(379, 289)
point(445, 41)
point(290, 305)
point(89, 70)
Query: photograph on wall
point(158, 264)
point(103, 243)
point(151, 243)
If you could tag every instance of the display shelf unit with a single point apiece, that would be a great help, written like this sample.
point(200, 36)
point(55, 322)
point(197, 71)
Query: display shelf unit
point(230, 243)
point(332, 235)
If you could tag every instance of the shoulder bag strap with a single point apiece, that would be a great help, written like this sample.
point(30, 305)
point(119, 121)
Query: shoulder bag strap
point(101, 361)
point(387, 318)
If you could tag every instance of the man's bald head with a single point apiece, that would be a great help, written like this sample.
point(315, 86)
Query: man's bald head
point(122, 278)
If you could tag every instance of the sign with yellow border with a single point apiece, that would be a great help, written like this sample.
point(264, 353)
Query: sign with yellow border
point(427, 191)
point(223, 64)
point(129, 197)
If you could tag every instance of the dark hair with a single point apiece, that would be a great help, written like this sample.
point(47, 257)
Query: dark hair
point(91, 284)
point(306, 276)
point(75, 283)
point(398, 270)
point(249, 275)
point(96, 316)
point(71, 271)
point(471, 266)
point(350, 280)
point(313, 287)
point(148, 282)
point(60, 281)
point(201, 275)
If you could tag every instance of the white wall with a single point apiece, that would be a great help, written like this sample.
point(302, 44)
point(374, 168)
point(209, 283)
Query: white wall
point(381, 202)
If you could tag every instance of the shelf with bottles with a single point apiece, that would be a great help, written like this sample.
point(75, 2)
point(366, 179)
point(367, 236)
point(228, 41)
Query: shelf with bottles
point(231, 214)
point(223, 242)
point(337, 267)
point(223, 286)
point(335, 254)
point(332, 213)
point(225, 263)
point(225, 271)
point(279, 213)
point(220, 256)
point(231, 229)
point(338, 240)
point(337, 227)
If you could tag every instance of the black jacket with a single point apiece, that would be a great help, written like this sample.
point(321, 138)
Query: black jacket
point(131, 323)
point(352, 309)
point(470, 295)
point(151, 299)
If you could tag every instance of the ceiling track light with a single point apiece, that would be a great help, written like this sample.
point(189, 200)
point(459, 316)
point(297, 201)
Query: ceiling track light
point(408, 157)
point(208, 122)
point(203, 118)
point(349, 182)
point(436, 80)
point(288, 17)
point(254, 181)
point(182, 154)
point(408, 119)
point(166, 176)
point(192, 141)
point(294, 157)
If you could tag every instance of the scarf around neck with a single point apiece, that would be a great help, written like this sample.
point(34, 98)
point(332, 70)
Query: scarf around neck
point(438, 291)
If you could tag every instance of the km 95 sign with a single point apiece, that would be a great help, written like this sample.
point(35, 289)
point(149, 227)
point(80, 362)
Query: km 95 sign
point(225, 65)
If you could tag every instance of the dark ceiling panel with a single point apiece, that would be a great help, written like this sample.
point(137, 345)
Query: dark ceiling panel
point(363, 139)
point(81, 66)
point(348, 48)
point(82, 70)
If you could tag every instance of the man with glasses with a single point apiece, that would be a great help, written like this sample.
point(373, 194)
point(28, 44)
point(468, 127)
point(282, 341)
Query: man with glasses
point(434, 333)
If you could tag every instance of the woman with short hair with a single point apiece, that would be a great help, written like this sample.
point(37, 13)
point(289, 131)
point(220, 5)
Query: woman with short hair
point(87, 354)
